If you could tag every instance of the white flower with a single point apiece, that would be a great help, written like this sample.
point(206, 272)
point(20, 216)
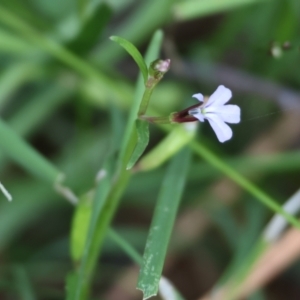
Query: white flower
point(217, 113)
point(5, 192)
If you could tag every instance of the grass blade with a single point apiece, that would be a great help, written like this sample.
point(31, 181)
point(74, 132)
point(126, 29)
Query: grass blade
point(21, 152)
point(132, 253)
point(138, 27)
point(243, 182)
point(186, 10)
point(23, 284)
point(58, 51)
point(88, 35)
point(162, 224)
point(14, 77)
point(94, 236)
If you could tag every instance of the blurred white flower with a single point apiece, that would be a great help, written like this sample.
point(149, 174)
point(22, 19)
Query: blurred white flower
point(5, 192)
point(217, 113)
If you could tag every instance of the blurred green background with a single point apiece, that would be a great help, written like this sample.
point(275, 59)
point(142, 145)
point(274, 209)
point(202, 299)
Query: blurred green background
point(62, 81)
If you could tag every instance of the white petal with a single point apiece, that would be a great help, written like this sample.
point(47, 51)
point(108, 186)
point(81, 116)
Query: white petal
point(221, 129)
point(221, 96)
point(199, 97)
point(199, 116)
point(228, 113)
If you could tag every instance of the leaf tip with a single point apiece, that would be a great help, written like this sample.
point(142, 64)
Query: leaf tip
point(129, 166)
point(146, 295)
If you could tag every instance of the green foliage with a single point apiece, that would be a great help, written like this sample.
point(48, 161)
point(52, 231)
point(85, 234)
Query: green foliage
point(142, 132)
point(71, 103)
point(194, 9)
point(136, 55)
point(162, 224)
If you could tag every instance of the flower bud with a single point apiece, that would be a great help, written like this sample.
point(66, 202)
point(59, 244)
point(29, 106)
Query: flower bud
point(159, 67)
point(162, 65)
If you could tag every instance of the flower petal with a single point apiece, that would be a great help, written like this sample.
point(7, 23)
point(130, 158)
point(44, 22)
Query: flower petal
point(228, 113)
point(199, 116)
point(199, 97)
point(221, 96)
point(221, 129)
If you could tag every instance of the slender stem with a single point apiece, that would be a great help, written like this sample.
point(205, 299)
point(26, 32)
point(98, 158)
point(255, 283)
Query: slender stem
point(156, 72)
point(145, 100)
point(156, 120)
point(123, 244)
point(244, 183)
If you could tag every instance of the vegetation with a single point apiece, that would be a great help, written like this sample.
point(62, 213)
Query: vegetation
point(113, 187)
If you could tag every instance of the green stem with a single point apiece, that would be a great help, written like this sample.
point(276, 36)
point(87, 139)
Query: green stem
point(124, 245)
point(243, 182)
point(145, 100)
point(155, 120)
point(156, 72)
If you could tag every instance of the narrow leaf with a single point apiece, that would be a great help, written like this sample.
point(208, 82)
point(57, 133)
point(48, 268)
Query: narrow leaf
point(71, 282)
point(142, 130)
point(192, 9)
point(137, 27)
point(152, 52)
point(170, 145)
point(91, 30)
point(243, 182)
point(80, 226)
point(93, 236)
point(134, 52)
point(25, 155)
point(82, 7)
point(162, 224)
point(23, 286)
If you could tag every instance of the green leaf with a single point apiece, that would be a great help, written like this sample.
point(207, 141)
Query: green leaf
point(137, 27)
point(21, 214)
point(142, 130)
point(71, 282)
point(243, 182)
point(22, 283)
point(191, 9)
point(25, 155)
point(91, 30)
point(13, 78)
point(125, 246)
point(55, 49)
point(94, 235)
point(39, 107)
point(14, 45)
point(80, 226)
point(180, 136)
point(134, 52)
point(152, 52)
point(162, 224)
point(82, 7)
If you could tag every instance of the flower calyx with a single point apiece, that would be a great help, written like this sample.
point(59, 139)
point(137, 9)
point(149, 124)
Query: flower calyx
point(214, 110)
